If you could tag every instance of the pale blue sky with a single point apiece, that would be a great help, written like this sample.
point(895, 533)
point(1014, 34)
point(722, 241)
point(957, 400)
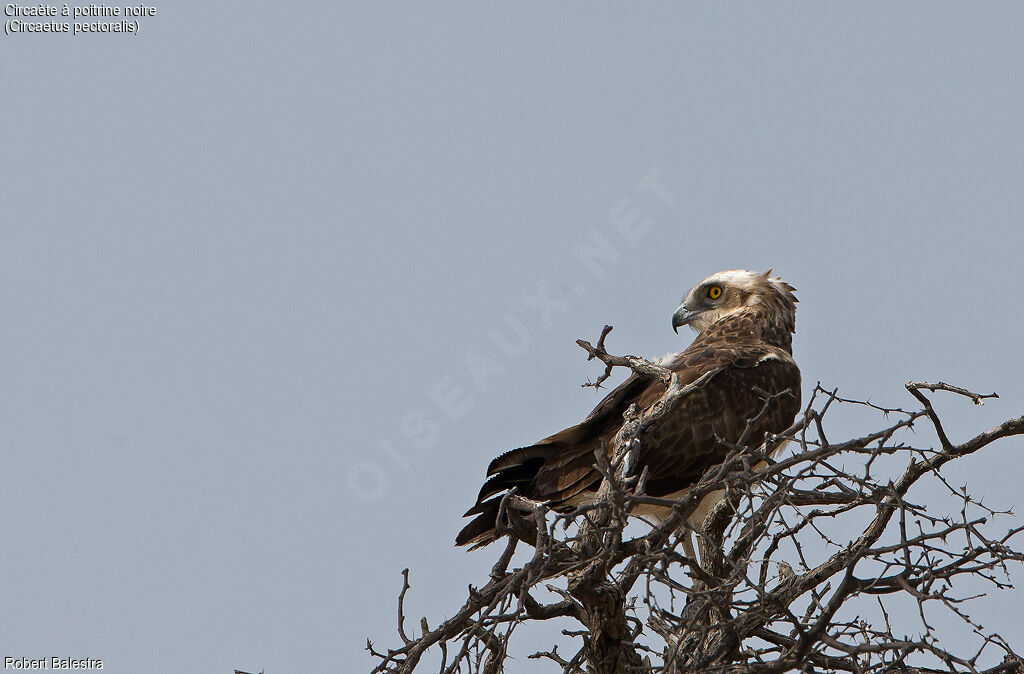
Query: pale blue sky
point(250, 248)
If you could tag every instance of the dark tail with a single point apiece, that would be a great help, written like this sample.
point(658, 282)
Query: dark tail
point(515, 469)
point(480, 531)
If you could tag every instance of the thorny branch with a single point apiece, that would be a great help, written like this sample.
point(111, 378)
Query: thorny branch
point(775, 588)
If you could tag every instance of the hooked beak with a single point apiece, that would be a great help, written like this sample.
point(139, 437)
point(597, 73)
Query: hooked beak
point(684, 316)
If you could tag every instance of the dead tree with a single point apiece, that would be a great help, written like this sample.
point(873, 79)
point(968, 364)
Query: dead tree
point(801, 565)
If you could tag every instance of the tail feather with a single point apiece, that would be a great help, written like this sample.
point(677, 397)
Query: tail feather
point(518, 457)
point(528, 471)
point(514, 469)
point(514, 476)
point(480, 531)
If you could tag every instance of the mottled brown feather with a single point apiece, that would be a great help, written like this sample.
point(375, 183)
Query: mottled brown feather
point(749, 348)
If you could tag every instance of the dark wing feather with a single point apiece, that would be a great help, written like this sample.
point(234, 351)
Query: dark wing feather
point(560, 467)
point(609, 410)
point(559, 470)
point(678, 450)
point(480, 530)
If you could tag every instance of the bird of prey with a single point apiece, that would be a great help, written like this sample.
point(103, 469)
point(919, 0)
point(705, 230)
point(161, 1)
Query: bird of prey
point(744, 323)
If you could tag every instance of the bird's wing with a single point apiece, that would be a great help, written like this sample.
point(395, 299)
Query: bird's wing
point(560, 470)
point(685, 442)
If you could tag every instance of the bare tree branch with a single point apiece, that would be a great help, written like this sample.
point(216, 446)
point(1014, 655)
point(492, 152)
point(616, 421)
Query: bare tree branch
point(780, 585)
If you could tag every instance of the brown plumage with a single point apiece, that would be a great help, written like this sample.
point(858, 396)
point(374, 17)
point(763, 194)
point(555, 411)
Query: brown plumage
point(745, 323)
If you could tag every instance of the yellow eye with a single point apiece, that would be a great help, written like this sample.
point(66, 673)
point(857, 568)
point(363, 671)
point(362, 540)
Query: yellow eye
point(714, 292)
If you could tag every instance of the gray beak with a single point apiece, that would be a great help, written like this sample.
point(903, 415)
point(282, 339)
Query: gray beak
point(683, 316)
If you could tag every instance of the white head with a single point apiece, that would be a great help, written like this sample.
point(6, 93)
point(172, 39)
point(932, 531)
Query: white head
point(728, 292)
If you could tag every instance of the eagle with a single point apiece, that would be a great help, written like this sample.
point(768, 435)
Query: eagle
point(744, 348)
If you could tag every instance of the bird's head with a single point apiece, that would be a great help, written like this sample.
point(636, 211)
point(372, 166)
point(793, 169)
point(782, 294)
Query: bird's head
point(728, 292)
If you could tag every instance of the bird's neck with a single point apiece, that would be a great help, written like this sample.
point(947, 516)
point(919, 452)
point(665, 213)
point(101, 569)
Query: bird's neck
point(757, 325)
point(778, 334)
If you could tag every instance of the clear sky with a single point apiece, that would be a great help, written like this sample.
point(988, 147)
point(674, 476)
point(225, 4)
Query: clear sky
point(278, 282)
